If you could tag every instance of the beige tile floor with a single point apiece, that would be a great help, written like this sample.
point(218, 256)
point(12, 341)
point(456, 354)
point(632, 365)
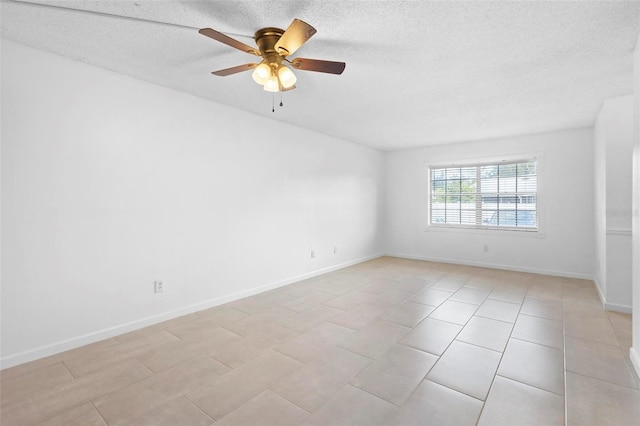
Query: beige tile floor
point(390, 341)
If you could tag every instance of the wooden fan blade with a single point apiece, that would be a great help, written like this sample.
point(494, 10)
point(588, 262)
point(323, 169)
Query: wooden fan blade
point(318, 65)
point(234, 70)
point(222, 38)
point(295, 36)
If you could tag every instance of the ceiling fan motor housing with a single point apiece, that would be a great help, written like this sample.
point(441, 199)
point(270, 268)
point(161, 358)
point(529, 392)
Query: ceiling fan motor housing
point(266, 39)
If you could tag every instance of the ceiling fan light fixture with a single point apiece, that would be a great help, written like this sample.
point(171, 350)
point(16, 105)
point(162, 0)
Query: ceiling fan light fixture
point(261, 73)
point(272, 84)
point(286, 76)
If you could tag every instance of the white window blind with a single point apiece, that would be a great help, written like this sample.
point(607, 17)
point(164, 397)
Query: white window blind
point(501, 195)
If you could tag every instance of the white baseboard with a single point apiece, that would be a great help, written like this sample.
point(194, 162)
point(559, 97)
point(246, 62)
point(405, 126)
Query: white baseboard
point(567, 274)
point(635, 360)
point(605, 305)
point(618, 308)
point(75, 342)
point(603, 300)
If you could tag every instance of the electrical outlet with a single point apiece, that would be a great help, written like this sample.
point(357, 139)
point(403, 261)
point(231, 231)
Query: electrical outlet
point(158, 287)
point(485, 248)
point(313, 254)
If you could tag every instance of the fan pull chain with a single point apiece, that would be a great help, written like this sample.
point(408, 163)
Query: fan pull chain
point(273, 102)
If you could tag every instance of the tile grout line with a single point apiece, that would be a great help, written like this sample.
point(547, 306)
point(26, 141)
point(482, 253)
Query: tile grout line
point(603, 381)
point(99, 413)
point(196, 406)
point(447, 348)
point(627, 357)
point(288, 400)
point(528, 384)
point(484, 403)
point(73, 377)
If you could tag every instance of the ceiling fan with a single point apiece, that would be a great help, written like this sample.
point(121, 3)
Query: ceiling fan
point(274, 45)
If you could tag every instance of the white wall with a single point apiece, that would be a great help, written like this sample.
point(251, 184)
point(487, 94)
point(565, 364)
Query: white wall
point(566, 207)
point(110, 183)
point(613, 140)
point(600, 206)
point(635, 350)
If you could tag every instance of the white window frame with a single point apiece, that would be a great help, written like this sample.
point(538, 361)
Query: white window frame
point(538, 231)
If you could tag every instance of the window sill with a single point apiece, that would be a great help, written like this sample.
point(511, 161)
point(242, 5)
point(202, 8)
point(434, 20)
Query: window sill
point(511, 232)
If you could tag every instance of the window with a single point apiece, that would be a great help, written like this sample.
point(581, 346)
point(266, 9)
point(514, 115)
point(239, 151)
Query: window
point(495, 195)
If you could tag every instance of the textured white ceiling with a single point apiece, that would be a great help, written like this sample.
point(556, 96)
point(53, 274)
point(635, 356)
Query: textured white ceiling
point(418, 72)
